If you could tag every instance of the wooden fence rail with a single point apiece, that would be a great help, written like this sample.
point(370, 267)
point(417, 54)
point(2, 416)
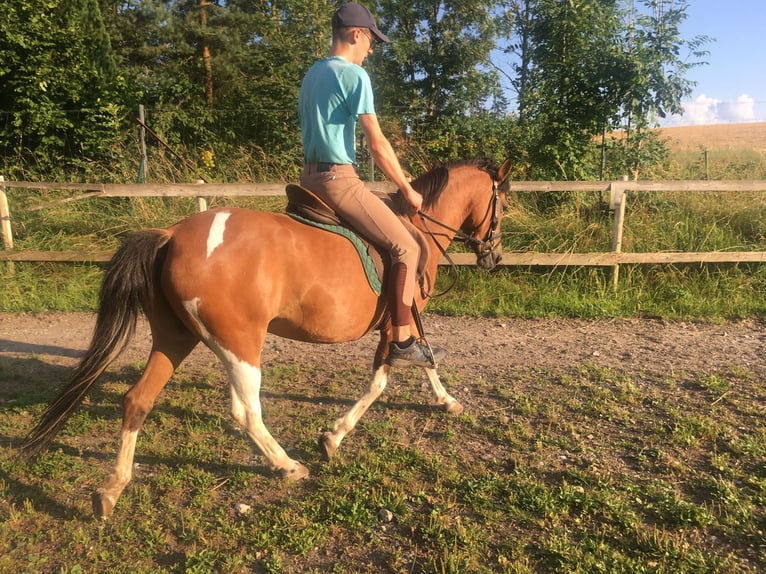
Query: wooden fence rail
point(617, 191)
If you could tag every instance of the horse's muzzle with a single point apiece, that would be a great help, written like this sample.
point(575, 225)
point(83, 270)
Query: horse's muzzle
point(488, 260)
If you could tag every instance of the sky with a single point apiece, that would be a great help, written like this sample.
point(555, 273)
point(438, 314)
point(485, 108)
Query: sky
point(731, 88)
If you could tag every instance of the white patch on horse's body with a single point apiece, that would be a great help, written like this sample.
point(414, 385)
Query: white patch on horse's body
point(192, 308)
point(215, 236)
point(245, 388)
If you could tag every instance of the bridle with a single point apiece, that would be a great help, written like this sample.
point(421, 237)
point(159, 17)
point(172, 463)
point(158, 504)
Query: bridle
point(492, 238)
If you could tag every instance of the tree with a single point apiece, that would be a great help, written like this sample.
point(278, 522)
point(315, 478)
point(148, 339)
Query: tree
point(585, 67)
point(571, 71)
point(56, 57)
point(218, 74)
point(435, 74)
point(659, 58)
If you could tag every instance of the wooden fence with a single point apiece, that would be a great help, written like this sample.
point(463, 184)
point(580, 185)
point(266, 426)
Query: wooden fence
point(617, 191)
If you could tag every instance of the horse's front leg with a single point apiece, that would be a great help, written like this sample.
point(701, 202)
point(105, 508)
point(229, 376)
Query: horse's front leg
point(330, 441)
point(441, 396)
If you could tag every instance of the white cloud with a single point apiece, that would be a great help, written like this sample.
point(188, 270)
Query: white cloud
point(703, 110)
point(706, 110)
point(741, 110)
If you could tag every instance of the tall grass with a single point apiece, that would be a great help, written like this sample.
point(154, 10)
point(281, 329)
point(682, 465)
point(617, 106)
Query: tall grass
point(657, 221)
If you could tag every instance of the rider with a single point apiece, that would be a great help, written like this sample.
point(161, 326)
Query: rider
point(335, 94)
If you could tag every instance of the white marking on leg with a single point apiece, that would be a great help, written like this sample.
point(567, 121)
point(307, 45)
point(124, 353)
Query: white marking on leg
point(215, 235)
point(123, 470)
point(107, 495)
point(345, 424)
point(245, 385)
point(442, 397)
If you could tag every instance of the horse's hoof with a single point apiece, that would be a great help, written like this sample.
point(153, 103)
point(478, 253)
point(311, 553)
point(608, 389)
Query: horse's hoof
point(103, 504)
point(327, 446)
point(454, 408)
point(296, 473)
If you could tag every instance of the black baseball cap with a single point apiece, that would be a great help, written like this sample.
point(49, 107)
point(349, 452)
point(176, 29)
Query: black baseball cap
point(355, 15)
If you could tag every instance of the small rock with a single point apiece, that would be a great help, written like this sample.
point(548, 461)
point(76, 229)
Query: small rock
point(242, 508)
point(385, 515)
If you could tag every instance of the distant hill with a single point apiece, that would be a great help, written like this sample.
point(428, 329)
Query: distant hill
point(750, 136)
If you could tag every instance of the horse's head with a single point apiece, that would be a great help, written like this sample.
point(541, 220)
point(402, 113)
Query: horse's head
point(466, 201)
point(481, 230)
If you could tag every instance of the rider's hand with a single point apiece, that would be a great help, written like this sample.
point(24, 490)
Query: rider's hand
point(413, 198)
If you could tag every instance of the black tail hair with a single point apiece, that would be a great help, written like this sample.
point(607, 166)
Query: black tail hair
point(128, 285)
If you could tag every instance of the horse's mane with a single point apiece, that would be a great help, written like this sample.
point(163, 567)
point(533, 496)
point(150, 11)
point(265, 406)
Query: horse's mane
point(431, 184)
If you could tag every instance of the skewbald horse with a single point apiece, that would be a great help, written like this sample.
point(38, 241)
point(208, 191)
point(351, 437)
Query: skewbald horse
point(227, 277)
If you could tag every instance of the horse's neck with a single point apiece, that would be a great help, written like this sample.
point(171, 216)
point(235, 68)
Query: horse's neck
point(444, 225)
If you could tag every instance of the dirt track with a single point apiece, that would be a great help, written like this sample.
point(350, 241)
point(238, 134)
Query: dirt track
point(650, 346)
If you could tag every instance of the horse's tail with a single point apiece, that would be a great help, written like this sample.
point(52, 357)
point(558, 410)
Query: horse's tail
point(129, 283)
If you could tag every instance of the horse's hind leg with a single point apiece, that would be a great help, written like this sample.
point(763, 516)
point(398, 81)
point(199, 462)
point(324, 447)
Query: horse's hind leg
point(245, 383)
point(137, 404)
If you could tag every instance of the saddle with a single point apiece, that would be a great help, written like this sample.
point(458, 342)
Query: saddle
point(305, 206)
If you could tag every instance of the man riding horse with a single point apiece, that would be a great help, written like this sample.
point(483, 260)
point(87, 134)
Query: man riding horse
point(335, 94)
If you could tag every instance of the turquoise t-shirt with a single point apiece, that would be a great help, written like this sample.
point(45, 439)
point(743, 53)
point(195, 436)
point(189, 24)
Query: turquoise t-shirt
point(333, 95)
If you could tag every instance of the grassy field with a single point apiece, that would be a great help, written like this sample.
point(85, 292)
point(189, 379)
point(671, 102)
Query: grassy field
point(748, 136)
point(570, 470)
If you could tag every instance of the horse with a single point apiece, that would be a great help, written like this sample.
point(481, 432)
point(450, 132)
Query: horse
point(229, 276)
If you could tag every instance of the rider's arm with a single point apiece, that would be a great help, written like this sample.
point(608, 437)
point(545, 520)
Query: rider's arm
point(386, 160)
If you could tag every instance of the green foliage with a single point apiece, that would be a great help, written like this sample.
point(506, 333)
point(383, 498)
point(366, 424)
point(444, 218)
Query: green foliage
point(436, 65)
point(220, 80)
point(659, 61)
point(57, 58)
point(585, 68)
point(449, 138)
point(571, 68)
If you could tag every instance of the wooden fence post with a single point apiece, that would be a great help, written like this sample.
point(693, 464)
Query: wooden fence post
point(5, 221)
point(617, 204)
point(201, 200)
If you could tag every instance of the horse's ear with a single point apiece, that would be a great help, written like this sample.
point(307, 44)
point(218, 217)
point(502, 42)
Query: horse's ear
point(504, 171)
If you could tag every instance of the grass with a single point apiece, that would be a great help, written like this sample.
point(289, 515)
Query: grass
point(589, 470)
